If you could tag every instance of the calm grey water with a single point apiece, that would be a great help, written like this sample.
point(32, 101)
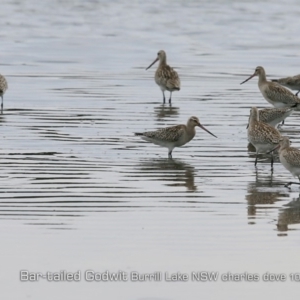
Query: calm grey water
point(79, 192)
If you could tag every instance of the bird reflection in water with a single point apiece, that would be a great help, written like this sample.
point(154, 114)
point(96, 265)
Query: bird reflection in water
point(288, 215)
point(2, 119)
point(263, 192)
point(173, 172)
point(164, 111)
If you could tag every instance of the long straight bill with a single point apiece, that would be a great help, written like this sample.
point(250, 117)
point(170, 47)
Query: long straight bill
point(248, 79)
point(152, 63)
point(201, 126)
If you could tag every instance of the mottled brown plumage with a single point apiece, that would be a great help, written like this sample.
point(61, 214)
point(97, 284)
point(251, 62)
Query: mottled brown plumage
point(273, 92)
point(290, 158)
point(165, 76)
point(292, 82)
point(261, 135)
point(3, 88)
point(169, 134)
point(174, 136)
point(273, 116)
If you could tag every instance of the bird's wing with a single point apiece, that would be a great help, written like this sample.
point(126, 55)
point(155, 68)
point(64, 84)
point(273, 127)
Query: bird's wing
point(278, 93)
point(169, 77)
point(292, 155)
point(269, 114)
point(3, 84)
point(266, 133)
point(290, 80)
point(169, 134)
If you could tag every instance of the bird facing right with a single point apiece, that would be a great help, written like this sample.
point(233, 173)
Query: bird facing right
point(174, 136)
point(3, 88)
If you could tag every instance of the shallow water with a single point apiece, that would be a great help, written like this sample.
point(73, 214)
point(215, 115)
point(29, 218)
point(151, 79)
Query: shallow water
point(80, 192)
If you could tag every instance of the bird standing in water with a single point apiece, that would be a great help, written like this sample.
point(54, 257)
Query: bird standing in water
point(273, 92)
point(3, 88)
point(165, 76)
point(174, 136)
point(290, 158)
point(261, 135)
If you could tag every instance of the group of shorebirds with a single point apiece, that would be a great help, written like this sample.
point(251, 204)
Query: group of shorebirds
point(262, 127)
point(175, 136)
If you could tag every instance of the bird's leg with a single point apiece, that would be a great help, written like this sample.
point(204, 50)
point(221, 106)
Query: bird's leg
point(170, 100)
point(1, 104)
point(170, 154)
point(297, 93)
point(282, 122)
point(272, 161)
point(256, 159)
point(290, 183)
point(164, 97)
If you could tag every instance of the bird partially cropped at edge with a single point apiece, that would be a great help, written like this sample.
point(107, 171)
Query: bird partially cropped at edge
point(292, 82)
point(290, 158)
point(3, 88)
point(165, 76)
point(262, 136)
point(273, 92)
point(174, 136)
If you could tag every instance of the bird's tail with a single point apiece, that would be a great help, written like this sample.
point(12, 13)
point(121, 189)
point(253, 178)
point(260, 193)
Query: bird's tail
point(138, 133)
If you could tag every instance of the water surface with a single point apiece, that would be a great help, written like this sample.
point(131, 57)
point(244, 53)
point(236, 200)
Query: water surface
point(79, 191)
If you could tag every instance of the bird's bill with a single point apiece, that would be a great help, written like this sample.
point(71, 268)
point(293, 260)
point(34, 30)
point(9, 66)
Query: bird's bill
point(201, 126)
point(248, 78)
point(153, 63)
point(278, 146)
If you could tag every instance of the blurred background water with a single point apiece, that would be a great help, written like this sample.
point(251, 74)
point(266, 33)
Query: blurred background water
point(79, 191)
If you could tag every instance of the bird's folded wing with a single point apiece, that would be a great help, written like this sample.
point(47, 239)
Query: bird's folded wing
point(169, 134)
point(280, 94)
point(169, 78)
point(292, 155)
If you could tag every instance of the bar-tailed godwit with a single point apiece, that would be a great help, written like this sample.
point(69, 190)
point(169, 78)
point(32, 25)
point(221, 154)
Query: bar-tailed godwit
point(261, 135)
point(3, 88)
point(165, 77)
point(273, 92)
point(274, 116)
point(174, 136)
point(290, 158)
point(292, 82)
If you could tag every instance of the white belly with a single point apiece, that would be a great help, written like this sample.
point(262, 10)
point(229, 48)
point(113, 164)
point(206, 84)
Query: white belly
point(263, 148)
point(276, 104)
point(294, 170)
